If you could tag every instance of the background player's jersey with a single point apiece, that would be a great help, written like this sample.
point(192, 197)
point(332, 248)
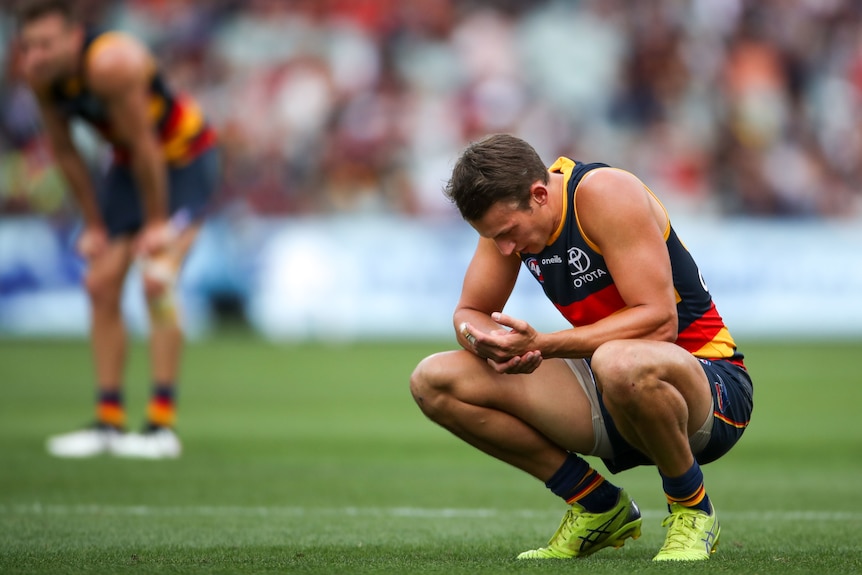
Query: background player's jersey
point(178, 120)
point(575, 277)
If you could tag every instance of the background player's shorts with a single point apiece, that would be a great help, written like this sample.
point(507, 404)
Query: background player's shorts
point(732, 399)
point(190, 188)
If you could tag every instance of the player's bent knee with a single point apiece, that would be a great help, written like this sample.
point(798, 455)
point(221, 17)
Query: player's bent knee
point(159, 277)
point(619, 375)
point(422, 380)
point(430, 382)
point(610, 361)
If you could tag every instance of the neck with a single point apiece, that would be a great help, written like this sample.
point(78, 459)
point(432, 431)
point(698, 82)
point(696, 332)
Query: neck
point(555, 199)
point(74, 64)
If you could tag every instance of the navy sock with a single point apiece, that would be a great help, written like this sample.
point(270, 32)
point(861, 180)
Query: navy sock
point(577, 482)
point(687, 489)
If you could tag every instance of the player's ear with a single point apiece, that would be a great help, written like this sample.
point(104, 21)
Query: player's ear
point(539, 192)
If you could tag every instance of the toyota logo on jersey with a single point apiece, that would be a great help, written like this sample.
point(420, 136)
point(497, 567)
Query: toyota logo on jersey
point(579, 261)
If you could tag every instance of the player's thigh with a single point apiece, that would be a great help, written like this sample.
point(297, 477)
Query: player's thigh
point(192, 186)
point(550, 399)
point(119, 202)
point(179, 248)
point(618, 363)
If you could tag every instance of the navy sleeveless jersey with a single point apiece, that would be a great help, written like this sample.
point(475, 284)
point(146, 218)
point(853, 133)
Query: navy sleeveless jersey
point(575, 277)
point(179, 121)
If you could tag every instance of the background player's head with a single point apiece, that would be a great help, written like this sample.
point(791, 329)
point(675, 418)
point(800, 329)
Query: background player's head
point(51, 37)
point(497, 168)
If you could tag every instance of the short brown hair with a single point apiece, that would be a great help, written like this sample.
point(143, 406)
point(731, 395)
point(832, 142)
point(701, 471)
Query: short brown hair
point(497, 168)
point(30, 10)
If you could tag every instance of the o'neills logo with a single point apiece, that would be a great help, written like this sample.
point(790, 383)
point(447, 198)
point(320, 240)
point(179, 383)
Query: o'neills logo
point(552, 260)
point(579, 264)
point(533, 266)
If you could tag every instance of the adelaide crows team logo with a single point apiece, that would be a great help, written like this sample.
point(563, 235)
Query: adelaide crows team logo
point(533, 266)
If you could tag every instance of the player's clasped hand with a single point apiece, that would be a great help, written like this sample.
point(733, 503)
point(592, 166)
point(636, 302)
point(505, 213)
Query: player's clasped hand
point(526, 363)
point(507, 350)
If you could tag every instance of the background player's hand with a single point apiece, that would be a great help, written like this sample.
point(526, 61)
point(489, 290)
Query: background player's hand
point(154, 238)
point(92, 242)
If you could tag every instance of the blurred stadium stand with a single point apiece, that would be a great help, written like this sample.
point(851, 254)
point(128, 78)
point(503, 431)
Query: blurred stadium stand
point(341, 116)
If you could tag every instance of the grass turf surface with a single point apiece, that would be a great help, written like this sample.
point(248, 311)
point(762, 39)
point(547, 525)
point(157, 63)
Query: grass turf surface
point(314, 459)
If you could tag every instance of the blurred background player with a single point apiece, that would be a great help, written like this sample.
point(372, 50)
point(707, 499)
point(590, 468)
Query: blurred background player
point(147, 207)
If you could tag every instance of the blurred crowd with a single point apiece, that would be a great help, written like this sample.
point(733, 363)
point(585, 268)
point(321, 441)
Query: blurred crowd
point(722, 107)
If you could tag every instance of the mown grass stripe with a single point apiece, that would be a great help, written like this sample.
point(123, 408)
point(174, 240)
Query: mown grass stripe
point(408, 512)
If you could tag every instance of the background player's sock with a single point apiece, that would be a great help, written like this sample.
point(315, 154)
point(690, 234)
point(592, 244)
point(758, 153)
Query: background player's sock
point(687, 489)
point(161, 411)
point(577, 482)
point(109, 409)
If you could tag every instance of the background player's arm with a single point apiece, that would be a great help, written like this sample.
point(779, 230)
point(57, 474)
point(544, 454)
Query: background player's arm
point(619, 215)
point(69, 160)
point(488, 283)
point(120, 74)
point(94, 237)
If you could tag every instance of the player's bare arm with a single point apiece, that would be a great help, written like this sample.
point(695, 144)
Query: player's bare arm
point(488, 283)
point(619, 215)
point(120, 75)
point(94, 237)
point(627, 224)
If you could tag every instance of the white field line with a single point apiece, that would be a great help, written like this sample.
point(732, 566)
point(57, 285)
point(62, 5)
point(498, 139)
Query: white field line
point(405, 512)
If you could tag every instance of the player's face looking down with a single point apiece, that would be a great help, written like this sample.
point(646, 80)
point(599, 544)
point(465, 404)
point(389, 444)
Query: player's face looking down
point(516, 229)
point(49, 46)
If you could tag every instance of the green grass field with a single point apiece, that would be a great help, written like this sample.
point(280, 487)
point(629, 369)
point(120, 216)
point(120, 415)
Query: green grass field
point(314, 459)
